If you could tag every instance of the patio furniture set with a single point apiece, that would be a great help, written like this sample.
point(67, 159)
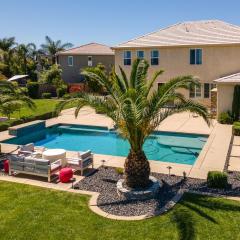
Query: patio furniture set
point(47, 163)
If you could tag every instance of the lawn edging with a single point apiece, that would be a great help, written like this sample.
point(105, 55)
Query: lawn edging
point(92, 203)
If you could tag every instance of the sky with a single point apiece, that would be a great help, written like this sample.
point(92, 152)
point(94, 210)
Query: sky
point(104, 21)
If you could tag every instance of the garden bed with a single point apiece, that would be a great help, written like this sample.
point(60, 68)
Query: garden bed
point(104, 182)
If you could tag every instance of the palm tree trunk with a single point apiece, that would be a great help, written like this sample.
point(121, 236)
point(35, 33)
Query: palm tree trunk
point(137, 170)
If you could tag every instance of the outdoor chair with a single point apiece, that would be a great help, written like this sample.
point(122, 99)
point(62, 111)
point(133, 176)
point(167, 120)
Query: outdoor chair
point(29, 150)
point(82, 162)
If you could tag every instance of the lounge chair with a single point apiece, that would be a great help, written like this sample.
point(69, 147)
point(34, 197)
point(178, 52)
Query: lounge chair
point(82, 162)
point(29, 150)
point(33, 166)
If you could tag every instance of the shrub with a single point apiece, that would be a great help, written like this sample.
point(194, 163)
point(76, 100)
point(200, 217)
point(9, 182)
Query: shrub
point(216, 179)
point(33, 88)
point(236, 128)
point(46, 95)
point(4, 125)
point(61, 91)
point(66, 96)
point(225, 118)
point(119, 170)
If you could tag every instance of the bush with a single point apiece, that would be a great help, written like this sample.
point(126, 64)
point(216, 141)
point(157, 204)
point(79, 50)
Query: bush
point(46, 95)
point(216, 179)
point(66, 96)
point(236, 128)
point(119, 170)
point(225, 118)
point(61, 91)
point(33, 88)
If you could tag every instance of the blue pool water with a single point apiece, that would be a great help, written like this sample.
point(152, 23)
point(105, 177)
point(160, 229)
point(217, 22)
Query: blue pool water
point(160, 146)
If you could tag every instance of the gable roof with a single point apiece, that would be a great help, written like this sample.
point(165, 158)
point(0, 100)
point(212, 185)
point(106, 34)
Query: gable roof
point(234, 78)
point(207, 32)
point(88, 49)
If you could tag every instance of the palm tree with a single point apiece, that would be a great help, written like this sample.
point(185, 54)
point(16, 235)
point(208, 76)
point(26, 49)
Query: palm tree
point(6, 44)
point(26, 51)
point(12, 99)
point(51, 47)
point(137, 110)
point(7, 47)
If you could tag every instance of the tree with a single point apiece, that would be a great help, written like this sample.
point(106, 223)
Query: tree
point(137, 110)
point(53, 77)
point(50, 48)
point(12, 99)
point(7, 48)
point(93, 85)
point(236, 103)
point(26, 52)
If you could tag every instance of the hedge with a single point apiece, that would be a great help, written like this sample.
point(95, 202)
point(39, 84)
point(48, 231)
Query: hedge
point(6, 124)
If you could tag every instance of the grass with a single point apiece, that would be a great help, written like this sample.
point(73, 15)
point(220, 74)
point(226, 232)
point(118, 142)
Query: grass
point(42, 106)
point(31, 213)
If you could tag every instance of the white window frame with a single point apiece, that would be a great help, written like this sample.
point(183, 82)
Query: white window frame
point(127, 58)
point(195, 57)
point(70, 57)
point(90, 62)
point(138, 54)
point(155, 57)
point(196, 92)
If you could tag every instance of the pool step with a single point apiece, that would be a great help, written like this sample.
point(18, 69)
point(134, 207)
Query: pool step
point(181, 143)
point(184, 150)
point(73, 129)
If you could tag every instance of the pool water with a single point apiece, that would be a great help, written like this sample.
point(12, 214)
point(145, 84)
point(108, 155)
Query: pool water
point(160, 146)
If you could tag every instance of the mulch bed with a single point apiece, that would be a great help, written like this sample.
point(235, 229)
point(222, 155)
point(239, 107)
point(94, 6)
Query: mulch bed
point(104, 182)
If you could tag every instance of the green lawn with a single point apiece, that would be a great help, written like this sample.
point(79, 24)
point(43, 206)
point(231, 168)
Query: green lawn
point(34, 213)
point(42, 106)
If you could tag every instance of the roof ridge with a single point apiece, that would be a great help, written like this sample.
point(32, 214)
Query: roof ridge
point(69, 49)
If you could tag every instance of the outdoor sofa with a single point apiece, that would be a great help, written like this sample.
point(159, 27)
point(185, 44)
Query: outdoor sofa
point(33, 166)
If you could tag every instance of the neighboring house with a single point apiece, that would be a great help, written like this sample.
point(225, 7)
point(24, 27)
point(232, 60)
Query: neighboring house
point(206, 49)
point(72, 61)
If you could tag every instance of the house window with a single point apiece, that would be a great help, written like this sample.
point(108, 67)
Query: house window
point(196, 56)
point(140, 54)
point(70, 61)
point(154, 57)
point(127, 58)
point(207, 89)
point(195, 92)
point(90, 61)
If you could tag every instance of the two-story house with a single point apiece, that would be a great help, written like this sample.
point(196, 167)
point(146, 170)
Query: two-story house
point(74, 60)
point(206, 49)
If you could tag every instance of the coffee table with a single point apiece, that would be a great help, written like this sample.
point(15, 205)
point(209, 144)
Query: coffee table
point(55, 154)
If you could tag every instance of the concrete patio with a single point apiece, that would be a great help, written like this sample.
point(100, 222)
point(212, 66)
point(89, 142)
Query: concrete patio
point(212, 157)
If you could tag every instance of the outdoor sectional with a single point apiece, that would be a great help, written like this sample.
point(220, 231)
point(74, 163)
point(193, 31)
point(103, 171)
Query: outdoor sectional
point(33, 166)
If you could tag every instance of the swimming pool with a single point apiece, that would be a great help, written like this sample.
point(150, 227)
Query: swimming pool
point(160, 146)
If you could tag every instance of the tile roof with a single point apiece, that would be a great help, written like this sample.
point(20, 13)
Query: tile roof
point(205, 32)
point(234, 78)
point(89, 49)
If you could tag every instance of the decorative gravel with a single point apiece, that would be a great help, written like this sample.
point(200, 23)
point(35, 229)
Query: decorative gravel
point(104, 182)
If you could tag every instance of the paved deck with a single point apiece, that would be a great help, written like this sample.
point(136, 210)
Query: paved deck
point(234, 158)
point(212, 157)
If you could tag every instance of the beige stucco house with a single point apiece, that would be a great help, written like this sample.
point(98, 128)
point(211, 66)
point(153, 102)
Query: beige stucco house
point(207, 49)
point(73, 60)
